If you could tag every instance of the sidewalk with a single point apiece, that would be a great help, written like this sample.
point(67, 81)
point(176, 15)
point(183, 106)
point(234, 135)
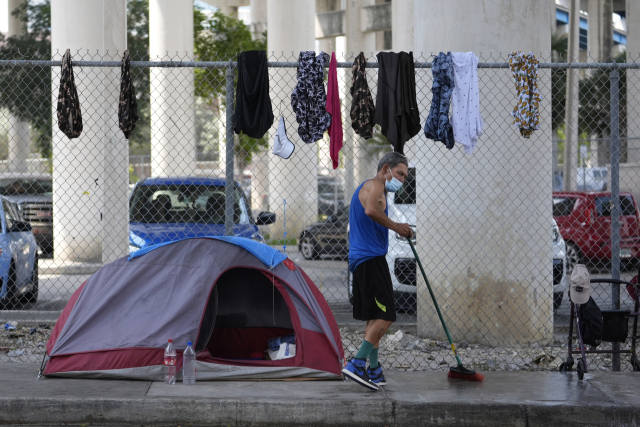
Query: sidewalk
point(411, 398)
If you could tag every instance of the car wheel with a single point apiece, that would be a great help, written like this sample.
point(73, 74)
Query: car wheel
point(309, 247)
point(32, 295)
point(10, 300)
point(574, 256)
point(557, 300)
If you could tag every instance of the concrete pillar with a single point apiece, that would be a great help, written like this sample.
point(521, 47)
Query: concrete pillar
point(294, 179)
point(633, 80)
point(90, 173)
point(483, 220)
point(600, 33)
point(402, 25)
point(571, 112)
point(258, 18)
point(357, 42)
point(19, 138)
point(173, 146)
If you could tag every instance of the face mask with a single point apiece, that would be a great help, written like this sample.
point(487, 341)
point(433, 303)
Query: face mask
point(394, 185)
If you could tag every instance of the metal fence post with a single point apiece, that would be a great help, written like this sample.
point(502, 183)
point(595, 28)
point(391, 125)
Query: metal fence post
point(614, 79)
point(229, 219)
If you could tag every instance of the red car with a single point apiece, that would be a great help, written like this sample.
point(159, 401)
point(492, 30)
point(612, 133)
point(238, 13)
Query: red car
point(584, 220)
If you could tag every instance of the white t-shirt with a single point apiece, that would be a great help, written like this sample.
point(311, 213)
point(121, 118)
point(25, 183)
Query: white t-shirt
point(465, 99)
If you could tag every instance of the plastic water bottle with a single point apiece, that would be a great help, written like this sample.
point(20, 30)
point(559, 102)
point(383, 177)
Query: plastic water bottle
point(170, 362)
point(189, 365)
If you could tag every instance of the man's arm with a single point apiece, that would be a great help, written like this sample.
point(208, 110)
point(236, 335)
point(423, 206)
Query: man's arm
point(373, 209)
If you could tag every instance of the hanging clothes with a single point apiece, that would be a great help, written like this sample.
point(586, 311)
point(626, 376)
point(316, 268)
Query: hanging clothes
point(253, 114)
point(526, 115)
point(465, 116)
point(68, 110)
point(128, 105)
point(362, 108)
point(282, 146)
point(333, 108)
point(309, 98)
point(438, 127)
point(396, 104)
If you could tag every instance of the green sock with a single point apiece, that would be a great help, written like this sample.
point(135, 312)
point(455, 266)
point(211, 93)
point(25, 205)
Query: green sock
point(373, 358)
point(365, 350)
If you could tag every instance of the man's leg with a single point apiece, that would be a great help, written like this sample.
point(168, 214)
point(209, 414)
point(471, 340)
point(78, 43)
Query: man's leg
point(375, 330)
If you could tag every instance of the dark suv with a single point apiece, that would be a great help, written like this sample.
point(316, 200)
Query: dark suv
point(584, 220)
point(33, 195)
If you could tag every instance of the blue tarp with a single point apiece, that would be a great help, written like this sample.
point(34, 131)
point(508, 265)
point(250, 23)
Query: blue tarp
point(269, 256)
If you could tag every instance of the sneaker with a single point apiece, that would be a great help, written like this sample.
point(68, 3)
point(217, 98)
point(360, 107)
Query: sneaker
point(375, 375)
point(356, 370)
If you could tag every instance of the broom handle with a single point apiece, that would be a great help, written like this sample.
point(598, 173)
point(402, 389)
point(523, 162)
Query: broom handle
point(433, 297)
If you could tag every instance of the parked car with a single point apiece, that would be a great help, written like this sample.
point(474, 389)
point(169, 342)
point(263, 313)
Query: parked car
point(584, 220)
point(559, 267)
point(326, 237)
point(33, 194)
point(167, 209)
point(18, 258)
point(331, 195)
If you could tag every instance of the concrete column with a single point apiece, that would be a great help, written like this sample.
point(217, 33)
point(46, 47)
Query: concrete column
point(173, 149)
point(294, 179)
point(600, 33)
point(633, 81)
point(19, 138)
point(571, 111)
point(258, 18)
point(90, 173)
point(357, 42)
point(484, 219)
point(402, 25)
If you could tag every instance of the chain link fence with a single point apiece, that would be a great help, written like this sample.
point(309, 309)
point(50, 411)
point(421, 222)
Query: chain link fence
point(94, 199)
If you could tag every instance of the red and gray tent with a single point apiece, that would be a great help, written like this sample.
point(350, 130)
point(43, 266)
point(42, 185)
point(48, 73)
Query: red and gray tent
point(228, 295)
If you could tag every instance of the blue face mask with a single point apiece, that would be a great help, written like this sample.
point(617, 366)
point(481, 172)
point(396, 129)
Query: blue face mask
point(394, 185)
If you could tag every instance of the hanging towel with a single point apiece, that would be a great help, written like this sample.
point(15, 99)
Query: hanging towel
point(437, 127)
point(309, 98)
point(362, 108)
point(333, 108)
point(253, 114)
point(465, 116)
point(396, 104)
point(69, 114)
point(524, 68)
point(128, 107)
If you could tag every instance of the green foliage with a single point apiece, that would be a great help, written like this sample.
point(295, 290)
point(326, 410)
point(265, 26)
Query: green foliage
point(26, 91)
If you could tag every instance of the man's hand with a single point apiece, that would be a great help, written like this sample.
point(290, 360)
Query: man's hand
point(404, 230)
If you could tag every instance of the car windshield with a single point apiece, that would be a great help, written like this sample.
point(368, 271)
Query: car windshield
point(25, 186)
point(599, 174)
point(563, 206)
point(179, 204)
point(407, 194)
point(603, 205)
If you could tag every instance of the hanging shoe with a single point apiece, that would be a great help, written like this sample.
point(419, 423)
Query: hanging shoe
point(356, 370)
point(376, 376)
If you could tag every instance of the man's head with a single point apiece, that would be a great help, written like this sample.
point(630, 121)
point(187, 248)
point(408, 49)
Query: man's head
point(394, 165)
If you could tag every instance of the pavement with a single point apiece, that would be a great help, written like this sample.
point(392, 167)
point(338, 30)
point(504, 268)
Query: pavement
point(523, 399)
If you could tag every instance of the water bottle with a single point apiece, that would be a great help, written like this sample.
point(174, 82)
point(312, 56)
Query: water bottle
point(170, 362)
point(189, 365)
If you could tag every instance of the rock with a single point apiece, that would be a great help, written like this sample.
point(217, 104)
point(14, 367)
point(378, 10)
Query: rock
point(513, 367)
point(15, 353)
point(463, 344)
point(397, 337)
point(546, 360)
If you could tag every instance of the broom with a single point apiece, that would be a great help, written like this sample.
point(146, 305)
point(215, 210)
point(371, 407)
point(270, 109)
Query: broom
point(455, 372)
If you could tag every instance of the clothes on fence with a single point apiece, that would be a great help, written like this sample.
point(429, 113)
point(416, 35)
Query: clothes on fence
point(253, 114)
point(333, 108)
point(68, 110)
point(396, 104)
point(438, 127)
point(282, 146)
point(362, 108)
point(526, 115)
point(309, 97)
point(465, 116)
point(128, 106)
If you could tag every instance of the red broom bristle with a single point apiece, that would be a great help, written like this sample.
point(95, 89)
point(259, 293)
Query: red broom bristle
point(458, 376)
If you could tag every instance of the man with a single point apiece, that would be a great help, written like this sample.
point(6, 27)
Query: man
point(373, 299)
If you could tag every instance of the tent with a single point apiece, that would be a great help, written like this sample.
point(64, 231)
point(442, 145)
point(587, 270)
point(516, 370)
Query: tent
point(227, 295)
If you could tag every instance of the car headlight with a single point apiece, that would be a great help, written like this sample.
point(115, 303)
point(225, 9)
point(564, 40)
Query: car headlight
point(133, 248)
point(556, 235)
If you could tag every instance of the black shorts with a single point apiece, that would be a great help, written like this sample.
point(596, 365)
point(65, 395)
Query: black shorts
point(373, 291)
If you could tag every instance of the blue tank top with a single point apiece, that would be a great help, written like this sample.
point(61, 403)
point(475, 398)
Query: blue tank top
point(367, 238)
